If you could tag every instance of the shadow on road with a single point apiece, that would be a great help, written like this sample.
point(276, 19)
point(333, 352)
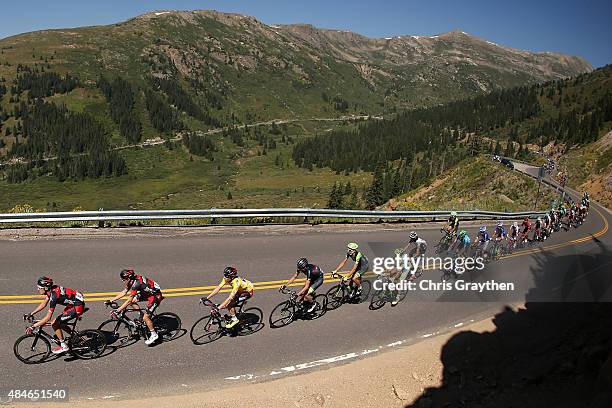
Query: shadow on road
point(554, 352)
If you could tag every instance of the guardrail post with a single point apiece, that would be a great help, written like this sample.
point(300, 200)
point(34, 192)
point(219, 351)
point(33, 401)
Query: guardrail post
point(100, 222)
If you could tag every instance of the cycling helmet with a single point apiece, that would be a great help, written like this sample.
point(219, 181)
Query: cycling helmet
point(414, 236)
point(526, 219)
point(44, 282)
point(127, 274)
point(483, 229)
point(453, 214)
point(230, 272)
point(301, 264)
point(500, 223)
point(515, 225)
point(462, 233)
point(399, 251)
point(540, 219)
point(353, 246)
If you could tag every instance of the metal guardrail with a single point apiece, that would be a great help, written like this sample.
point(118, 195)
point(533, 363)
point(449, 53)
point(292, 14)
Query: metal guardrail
point(214, 213)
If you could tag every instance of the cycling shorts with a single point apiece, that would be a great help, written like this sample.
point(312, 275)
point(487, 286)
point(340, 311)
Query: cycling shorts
point(314, 284)
point(152, 301)
point(71, 312)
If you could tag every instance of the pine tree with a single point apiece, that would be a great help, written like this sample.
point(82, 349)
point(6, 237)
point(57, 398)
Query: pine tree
point(375, 192)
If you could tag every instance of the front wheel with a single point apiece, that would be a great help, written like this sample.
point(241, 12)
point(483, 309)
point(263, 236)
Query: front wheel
point(206, 330)
point(282, 315)
point(32, 349)
point(379, 298)
point(335, 297)
point(87, 344)
point(167, 325)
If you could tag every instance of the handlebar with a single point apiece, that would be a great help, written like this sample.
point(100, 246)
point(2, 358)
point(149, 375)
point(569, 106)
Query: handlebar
point(113, 305)
point(207, 302)
point(28, 318)
point(286, 291)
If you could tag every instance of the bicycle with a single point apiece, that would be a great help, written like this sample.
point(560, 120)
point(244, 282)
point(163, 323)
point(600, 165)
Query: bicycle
point(444, 243)
point(380, 297)
point(83, 344)
point(291, 310)
point(343, 292)
point(213, 326)
point(126, 331)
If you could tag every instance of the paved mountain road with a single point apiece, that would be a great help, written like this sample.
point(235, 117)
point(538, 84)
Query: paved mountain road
point(92, 265)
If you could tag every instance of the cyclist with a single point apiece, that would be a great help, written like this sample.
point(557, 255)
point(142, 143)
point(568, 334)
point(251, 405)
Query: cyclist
point(314, 279)
point(453, 224)
point(58, 295)
point(242, 290)
point(462, 243)
point(358, 270)
point(513, 235)
point(420, 247)
point(483, 240)
point(139, 288)
point(547, 224)
point(499, 234)
point(537, 229)
point(525, 227)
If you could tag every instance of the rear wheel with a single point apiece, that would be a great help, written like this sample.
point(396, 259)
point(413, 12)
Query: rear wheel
point(87, 344)
point(251, 321)
point(206, 330)
point(366, 289)
point(281, 315)
point(32, 349)
point(117, 333)
point(320, 308)
point(167, 325)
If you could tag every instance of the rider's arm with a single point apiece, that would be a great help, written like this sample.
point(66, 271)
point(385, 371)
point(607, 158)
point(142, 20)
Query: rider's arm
point(41, 306)
point(119, 295)
point(129, 301)
point(290, 281)
point(44, 320)
point(229, 299)
point(341, 265)
point(215, 291)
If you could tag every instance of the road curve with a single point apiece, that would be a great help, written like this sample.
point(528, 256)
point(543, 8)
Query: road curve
point(188, 266)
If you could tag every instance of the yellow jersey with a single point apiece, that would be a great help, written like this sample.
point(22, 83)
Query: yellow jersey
point(238, 284)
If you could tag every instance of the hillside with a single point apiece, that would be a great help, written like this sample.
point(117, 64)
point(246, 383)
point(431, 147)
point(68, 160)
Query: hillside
point(558, 118)
point(242, 67)
point(476, 183)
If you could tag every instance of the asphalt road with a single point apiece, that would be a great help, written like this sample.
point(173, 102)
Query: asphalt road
point(570, 266)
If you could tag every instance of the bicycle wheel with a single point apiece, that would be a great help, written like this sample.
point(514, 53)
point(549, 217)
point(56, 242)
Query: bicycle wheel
point(167, 325)
point(320, 309)
point(379, 298)
point(118, 333)
point(282, 315)
point(335, 297)
point(366, 289)
point(251, 321)
point(206, 330)
point(32, 349)
point(87, 344)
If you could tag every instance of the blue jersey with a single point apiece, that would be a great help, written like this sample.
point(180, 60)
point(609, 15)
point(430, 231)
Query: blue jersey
point(483, 236)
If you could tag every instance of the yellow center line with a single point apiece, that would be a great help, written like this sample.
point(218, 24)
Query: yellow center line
point(275, 284)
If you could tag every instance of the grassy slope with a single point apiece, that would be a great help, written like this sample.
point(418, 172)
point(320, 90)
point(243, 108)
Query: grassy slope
point(477, 183)
point(161, 179)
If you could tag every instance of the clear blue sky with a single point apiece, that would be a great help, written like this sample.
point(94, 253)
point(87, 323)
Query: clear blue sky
point(580, 28)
